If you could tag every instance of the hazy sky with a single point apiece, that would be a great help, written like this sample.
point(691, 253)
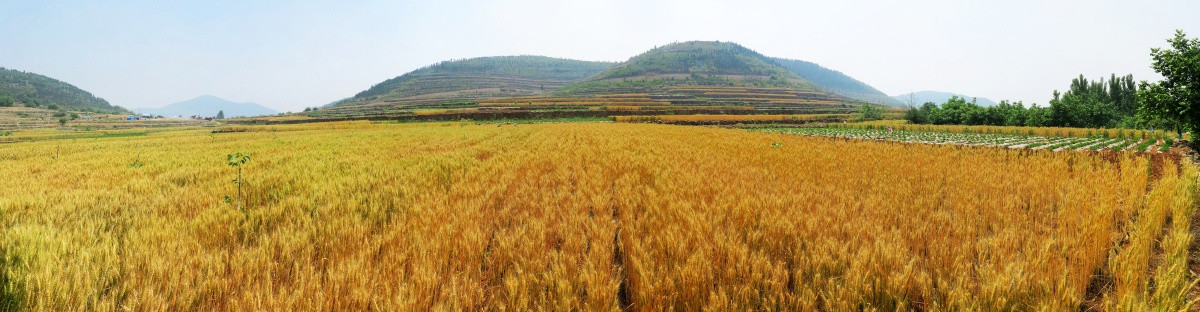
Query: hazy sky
point(289, 55)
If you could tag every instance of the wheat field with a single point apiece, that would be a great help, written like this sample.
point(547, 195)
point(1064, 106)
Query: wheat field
point(583, 216)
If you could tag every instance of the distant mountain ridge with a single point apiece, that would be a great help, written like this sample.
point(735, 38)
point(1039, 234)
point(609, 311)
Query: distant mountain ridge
point(836, 82)
point(938, 97)
point(34, 90)
point(209, 106)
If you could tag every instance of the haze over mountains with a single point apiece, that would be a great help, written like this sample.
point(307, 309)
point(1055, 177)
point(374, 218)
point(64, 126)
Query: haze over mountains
point(837, 82)
point(208, 106)
point(938, 97)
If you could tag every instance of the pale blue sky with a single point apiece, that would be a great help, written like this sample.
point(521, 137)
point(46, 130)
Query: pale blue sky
point(289, 55)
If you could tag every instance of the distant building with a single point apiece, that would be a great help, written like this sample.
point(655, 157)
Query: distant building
point(131, 117)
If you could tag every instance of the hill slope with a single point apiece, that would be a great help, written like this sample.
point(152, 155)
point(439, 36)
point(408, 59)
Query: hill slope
point(33, 90)
point(479, 78)
point(693, 63)
point(938, 97)
point(694, 77)
point(836, 82)
point(209, 106)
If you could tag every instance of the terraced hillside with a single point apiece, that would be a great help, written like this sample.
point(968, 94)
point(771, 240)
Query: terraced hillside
point(698, 77)
point(678, 100)
point(18, 88)
point(476, 78)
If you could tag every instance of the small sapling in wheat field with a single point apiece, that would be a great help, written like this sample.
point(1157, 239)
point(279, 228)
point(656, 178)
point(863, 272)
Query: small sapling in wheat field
point(137, 162)
point(236, 160)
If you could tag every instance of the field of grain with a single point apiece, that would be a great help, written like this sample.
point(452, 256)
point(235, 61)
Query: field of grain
point(583, 216)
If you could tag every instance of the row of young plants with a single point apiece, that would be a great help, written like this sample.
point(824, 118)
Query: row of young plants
point(1148, 134)
point(1008, 140)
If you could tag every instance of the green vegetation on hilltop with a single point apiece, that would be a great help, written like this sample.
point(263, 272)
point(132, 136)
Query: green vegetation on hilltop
point(482, 77)
point(19, 88)
point(693, 63)
point(697, 57)
point(836, 82)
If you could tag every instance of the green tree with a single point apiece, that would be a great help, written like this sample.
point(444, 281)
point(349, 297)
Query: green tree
point(1037, 116)
point(870, 112)
point(1010, 114)
point(221, 114)
point(1123, 93)
point(1095, 104)
point(919, 115)
point(6, 101)
point(1177, 97)
point(957, 111)
point(954, 112)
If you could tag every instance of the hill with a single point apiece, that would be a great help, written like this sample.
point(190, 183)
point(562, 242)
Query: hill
point(836, 82)
point(33, 90)
point(479, 78)
point(209, 106)
point(697, 77)
point(938, 97)
point(693, 63)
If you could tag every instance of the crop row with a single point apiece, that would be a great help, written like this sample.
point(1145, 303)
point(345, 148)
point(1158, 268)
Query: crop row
point(1150, 134)
point(989, 139)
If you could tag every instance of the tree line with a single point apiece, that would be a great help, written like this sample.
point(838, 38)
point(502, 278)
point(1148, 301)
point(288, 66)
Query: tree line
point(1118, 102)
point(1100, 103)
